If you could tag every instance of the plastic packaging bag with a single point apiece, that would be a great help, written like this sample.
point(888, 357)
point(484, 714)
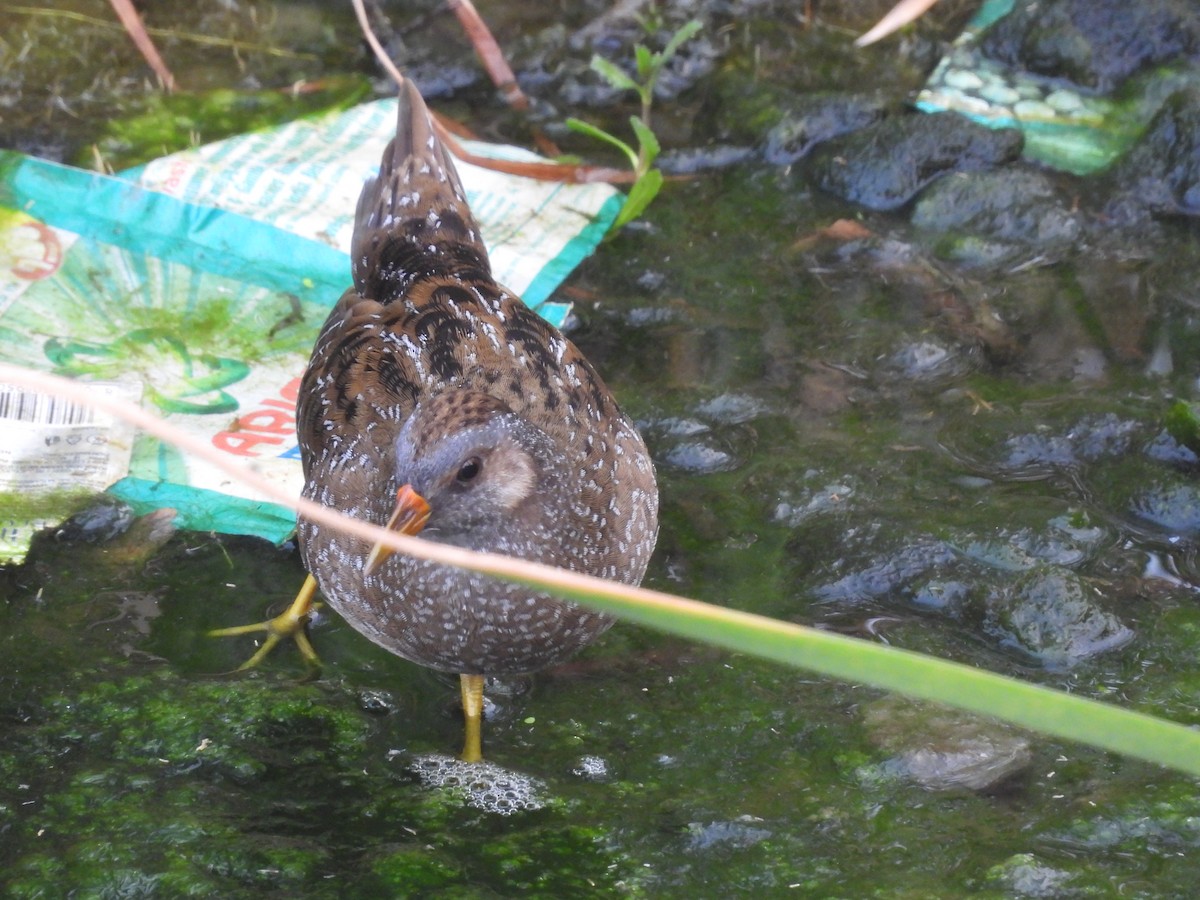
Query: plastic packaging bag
point(198, 283)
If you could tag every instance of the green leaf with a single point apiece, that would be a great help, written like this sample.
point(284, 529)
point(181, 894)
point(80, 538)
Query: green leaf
point(648, 145)
point(644, 190)
point(685, 33)
point(646, 63)
point(613, 74)
point(578, 125)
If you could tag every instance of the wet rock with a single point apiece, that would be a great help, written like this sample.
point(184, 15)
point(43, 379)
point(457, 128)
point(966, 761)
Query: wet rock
point(104, 520)
point(437, 78)
point(732, 409)
point(1025, 876)
point(823, 388)
point(1172, 507)
point(739, 833)
point(376, 702)
point(679, 427)
point(1090, 439)
point(964, 313)
point(1161, 819)
point(795, 506)
point(884, 166)
point(971, 578)
point(120, 538)
point(1071, 540)
point(944, 595)
point(1103, 437)
point(927, 360)
point(997, 552)
point(942, 749)
point(718, 438)
point(701, 159)
point(1013, 212)
point(41, 146)
point(650, 280)
point(649, 316)
point(1161, 174)
point(1095, 44)
point(700, 458)
point(1054, 616)
point(817, 118)
point(1028, 452)
point(1165, 448)
point(889, 574)
point(1068, 541)
point(143, 538)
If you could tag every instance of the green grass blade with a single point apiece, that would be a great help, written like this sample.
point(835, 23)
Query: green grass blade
point(1021, 703)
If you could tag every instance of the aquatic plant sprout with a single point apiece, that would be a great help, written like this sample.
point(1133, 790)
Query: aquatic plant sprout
point(851, 659)
point(648, 181)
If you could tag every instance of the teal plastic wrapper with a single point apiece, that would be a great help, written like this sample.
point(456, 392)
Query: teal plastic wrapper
point(205, 305)
point(1071, 130)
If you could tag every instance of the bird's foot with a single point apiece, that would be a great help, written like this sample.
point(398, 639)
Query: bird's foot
point(291, 623)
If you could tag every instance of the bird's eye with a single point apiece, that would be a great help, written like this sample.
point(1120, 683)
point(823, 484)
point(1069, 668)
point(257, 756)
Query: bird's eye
point(469, 470)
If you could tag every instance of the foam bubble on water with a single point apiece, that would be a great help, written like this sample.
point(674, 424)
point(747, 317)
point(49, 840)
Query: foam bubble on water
point(592, 768)
point(483, 785)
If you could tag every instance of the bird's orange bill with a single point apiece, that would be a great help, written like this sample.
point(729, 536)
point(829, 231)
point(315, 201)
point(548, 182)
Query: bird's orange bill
point(409, 517)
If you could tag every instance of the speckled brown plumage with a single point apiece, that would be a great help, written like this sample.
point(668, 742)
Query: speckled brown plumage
point(426, 367)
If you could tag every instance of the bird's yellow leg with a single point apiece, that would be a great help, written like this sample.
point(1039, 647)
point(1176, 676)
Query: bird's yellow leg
point(289, 623)
point(472, 703)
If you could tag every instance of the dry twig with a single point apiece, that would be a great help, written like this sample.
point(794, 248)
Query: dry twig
point(538, 170)
point(133, 24)
point(898, 16)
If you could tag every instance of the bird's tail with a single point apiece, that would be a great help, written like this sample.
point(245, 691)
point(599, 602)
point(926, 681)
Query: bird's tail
point(413, 221)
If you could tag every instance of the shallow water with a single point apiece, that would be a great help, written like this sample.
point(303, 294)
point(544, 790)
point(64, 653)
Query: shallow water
point(848, 434)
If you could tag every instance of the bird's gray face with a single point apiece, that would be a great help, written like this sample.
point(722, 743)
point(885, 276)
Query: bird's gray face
point(483, 478)
point(486, 474)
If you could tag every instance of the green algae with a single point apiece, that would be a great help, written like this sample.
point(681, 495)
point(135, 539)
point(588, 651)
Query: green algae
point(154, 785)
point(167, 123)
point(1183, 423)
point(171, 757)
